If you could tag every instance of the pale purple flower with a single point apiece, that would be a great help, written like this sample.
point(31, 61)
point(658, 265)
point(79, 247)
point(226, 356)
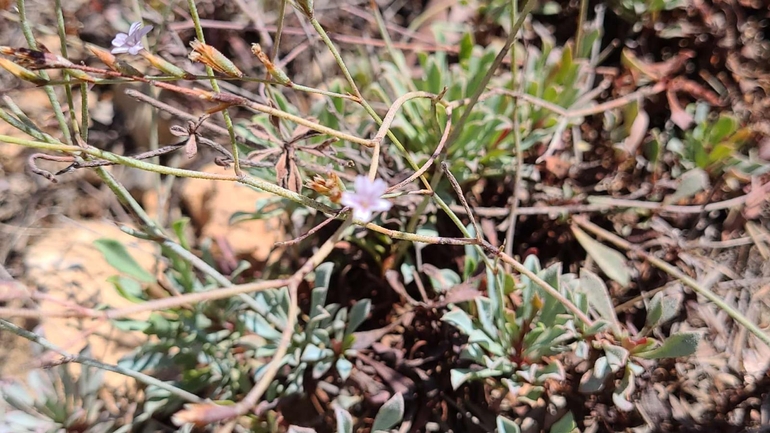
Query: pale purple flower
point(365, 200)
point(132, 42)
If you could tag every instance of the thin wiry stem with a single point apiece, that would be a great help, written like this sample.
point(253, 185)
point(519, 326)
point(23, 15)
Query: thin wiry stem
point(676, 273)
point(26, 29)
point(215, 86)
point(80, 359)
point(368, 108)
point(528, 6)
point(514, 200)
point(152, 135)
point(63, 45)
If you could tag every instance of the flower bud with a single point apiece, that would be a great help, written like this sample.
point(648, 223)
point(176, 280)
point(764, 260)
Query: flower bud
point(80, 75)
point(105, 56)
point(275, 72)
point(23, 73)
point(165, 66)
point(210, 56)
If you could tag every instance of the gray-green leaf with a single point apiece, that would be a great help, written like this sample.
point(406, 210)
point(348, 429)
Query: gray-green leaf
point(504, 425)
point(119, 258)
point(390, 414)
point(610, 261)
point(358, 314)
point(344, 421)
point(599, 297)
point(680, 344)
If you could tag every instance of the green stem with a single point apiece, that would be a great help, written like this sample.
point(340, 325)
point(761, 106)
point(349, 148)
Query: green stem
point(338, 58)
point(278, 31)
point(26, 29)
point(580, 31)
point(511, 231)
point(528, 6)
point(153, 132)
point(134, 163)
point(63, 44)
point(215, 86)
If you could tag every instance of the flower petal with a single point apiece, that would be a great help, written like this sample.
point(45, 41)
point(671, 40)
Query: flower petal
point(379, 187)
point(119, 50)
point(141, 32)
point(134, 27)
point(349, 199)
point(381, 205)
point(361, 184)
point(120, 39)
point(364, 215)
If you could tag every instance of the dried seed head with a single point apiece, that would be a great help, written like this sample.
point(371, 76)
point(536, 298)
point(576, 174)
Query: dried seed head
point(330, 187)
point(210, 56)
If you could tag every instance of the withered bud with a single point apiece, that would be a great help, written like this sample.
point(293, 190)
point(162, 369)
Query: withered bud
point(165, 66)
point(23, 73)
point(210, 56)
point(36, 59)
point(330, 187)
point(276, 73)
point(104, 55)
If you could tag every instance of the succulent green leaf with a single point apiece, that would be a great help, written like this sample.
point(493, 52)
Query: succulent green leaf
point(460, 320)
point(566, 424)
point(444, 280)
point(622, 394)
point(313, 353)
point(594, 380)
point(320, 368)
point(616, 356)
point(128, 288)
point(458, 376)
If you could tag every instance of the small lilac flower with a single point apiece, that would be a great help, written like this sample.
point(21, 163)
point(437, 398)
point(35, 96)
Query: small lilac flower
point(132, 42)
point(365, 200)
